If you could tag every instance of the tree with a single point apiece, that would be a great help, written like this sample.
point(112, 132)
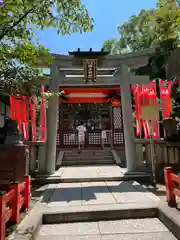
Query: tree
point(19, 48)
point(150, 27)
point(112, 46)
point(159, 28)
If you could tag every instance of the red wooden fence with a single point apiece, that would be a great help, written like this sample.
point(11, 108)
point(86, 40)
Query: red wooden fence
point(172, 182)
point(12, 202)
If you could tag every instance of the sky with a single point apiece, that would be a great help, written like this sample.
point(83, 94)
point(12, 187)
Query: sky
point(107, 14)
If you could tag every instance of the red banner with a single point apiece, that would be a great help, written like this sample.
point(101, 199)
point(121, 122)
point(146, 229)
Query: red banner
point(42, 135)
point(33, 118)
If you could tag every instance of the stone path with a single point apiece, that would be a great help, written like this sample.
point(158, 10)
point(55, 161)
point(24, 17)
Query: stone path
point(89, 172)
point(129, 229)
point(96, 193)
point(76, 211)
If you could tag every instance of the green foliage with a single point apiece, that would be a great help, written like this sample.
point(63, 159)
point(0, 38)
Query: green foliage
point(150, 27)
point(159, 28)
point(111, 46)
point(19, 48)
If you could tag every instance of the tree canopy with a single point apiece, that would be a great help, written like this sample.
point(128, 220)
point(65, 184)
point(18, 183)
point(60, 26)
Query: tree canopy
point(19, 47)
point(159, 28)
point(149, 28)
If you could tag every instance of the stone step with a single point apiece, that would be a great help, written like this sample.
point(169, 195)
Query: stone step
point(91, 151)
point(142, 178)
point(134, 229)
point(65, 158)
point(90, 162)
point(102, 212)
point(85, 155)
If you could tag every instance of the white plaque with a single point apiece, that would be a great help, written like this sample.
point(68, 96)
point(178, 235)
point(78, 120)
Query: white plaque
point(150, 113)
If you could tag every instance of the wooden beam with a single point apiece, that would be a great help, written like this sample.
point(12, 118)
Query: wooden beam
point(80, 79)
point(92, 89)
point(80, 71)
point(90, 85)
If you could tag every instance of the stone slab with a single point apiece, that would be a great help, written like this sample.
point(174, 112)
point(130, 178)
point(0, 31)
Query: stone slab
point(98, 207)
point(80, 172)
point(124, 192)
point(109, 171)
point(66, 195)
point(96, 193)
point(132, 226)
point(98, 212)
point(136, 229)
point(48, 192)
point(82, 237)
point(91, 171)
point(143, 236)
point(142, 189)
point(139, 236)
point(80, 228)
point(170, 217)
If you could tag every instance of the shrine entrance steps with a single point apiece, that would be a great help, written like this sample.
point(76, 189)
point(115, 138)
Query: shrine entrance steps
point(98, 173)
point(88, 157)
point(99, 211)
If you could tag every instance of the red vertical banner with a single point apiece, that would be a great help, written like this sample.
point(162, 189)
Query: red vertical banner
point(42, 135)
point(33, 117)
point(144, 125)
point(145, 95)
point(18, 114)
point(24, 117)
point(137, 100)
point(153, 100)
point(12, 107)
point(165, 97)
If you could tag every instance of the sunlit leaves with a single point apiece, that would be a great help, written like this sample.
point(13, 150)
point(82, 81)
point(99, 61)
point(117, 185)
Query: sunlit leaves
point(19, 48)
point(150, 27)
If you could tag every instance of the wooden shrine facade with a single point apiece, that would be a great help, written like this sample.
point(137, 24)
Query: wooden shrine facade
point(97, 109)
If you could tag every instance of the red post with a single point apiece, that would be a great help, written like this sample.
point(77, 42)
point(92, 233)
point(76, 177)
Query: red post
point(27, 191)
point(171, 198)
point(2, 218)
point(15, 218)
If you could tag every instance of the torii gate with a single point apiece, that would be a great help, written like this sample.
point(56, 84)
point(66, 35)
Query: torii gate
point(122, 76)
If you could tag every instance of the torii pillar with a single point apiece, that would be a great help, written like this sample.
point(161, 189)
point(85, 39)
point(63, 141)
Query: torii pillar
point(125, 80)
point(52, 123)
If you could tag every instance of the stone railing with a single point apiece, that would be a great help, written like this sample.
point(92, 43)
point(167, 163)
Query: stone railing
point(36, 157)
point(166, 154)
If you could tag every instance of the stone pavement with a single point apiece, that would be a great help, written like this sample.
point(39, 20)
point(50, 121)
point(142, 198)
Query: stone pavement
point(96, 193)
point(89, 171)
point(107, 210)
point(129, 229)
